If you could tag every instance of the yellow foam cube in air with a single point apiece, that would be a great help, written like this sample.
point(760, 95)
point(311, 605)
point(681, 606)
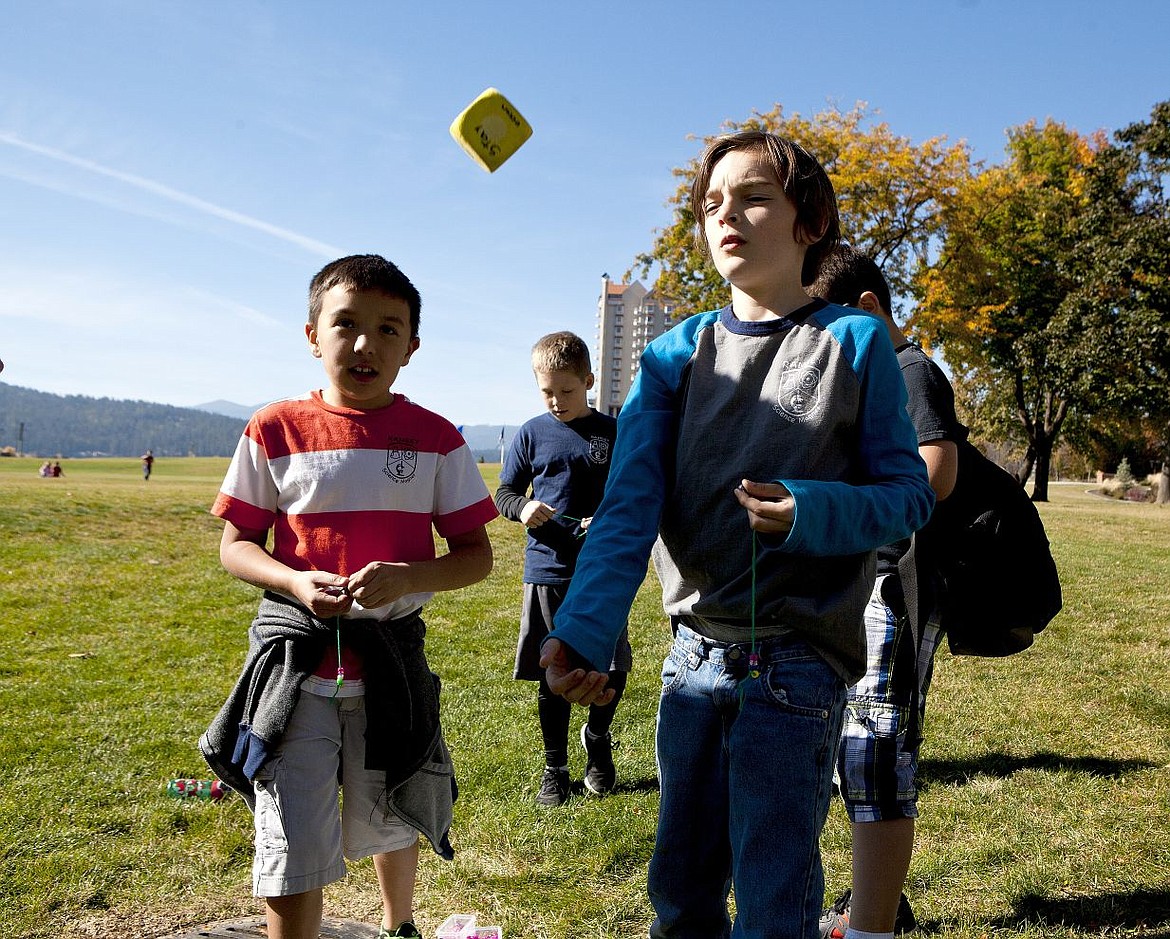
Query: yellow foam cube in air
point(490, 129)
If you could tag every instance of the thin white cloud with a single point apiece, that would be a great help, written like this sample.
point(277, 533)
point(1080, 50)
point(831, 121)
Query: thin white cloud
point(137, 339)
point(174, 195)
point(123, 308)
point(236, 309)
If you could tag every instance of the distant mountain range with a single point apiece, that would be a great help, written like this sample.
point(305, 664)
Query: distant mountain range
point(228, 409)
point(41, 424)
point(483, 439)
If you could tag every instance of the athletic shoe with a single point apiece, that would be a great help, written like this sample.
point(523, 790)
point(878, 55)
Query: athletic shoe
point(835, 920)
point(600, 774)
point(407, 930)
point(554, 787)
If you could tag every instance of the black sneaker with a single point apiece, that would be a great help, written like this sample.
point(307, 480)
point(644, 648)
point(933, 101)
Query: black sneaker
point(600, 774)
point(554, 787)
point(835, 920)
point(407, 930)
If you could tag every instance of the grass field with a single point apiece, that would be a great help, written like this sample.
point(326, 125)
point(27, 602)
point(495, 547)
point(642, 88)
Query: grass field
point(1046, 804)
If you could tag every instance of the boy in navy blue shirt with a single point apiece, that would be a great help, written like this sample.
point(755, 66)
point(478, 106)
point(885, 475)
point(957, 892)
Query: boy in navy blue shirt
point(563, 456)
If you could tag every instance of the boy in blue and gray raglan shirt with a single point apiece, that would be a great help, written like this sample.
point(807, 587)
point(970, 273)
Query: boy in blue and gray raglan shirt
point(563, 456)
point(764, 453)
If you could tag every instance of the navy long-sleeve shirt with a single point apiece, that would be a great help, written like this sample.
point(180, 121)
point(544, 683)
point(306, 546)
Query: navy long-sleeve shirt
point(566, 465)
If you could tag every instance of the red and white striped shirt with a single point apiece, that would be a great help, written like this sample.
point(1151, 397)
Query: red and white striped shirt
point(341, 488)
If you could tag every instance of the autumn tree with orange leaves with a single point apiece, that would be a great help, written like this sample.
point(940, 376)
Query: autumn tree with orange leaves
point(1049, 295)
point(1044, 280)
point(890, 192)
point(998, 299)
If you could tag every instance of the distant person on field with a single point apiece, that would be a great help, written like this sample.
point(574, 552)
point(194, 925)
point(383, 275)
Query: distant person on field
point(764, 453)
point(880, 740)
point(562, 457)
point(46, 469)
point(147, 463)
point(56, 471)
point(330, 505)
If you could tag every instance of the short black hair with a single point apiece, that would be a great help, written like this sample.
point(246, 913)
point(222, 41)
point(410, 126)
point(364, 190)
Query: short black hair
point(801, 177)
point(365, 272)
point(846, 274)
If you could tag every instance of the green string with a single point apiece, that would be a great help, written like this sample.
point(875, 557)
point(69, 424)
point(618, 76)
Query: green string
point(753, 658)
point(340, 670)
point(569, 518)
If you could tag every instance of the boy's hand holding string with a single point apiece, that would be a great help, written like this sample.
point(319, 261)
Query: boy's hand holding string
point(535, 513)
point(770, 508)
point(244, 554)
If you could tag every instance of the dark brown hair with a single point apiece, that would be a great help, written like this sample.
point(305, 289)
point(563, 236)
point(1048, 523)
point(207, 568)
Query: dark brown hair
point(846, 274)
point(803, 180)
point(365, 272)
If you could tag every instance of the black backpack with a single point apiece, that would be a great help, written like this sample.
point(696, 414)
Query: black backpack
point(989, 545)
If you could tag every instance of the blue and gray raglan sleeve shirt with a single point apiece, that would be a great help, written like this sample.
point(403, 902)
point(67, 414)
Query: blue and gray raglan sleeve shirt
point(814, 401)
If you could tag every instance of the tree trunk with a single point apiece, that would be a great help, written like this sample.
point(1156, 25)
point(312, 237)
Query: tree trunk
point(1027, 466)
point(1043, 463)
point(1042, 439)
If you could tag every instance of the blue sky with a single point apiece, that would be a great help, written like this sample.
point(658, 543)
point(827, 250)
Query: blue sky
point(172, 174)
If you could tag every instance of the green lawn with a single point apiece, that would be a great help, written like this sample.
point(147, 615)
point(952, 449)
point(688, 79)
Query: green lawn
point(1046, 808)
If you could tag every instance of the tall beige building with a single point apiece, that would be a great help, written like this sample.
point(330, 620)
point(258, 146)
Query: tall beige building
point(628, 317)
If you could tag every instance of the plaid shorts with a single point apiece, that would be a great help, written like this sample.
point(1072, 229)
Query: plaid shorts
point(878, 757)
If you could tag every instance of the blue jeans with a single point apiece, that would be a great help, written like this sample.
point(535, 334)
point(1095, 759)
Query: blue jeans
point(745, 767)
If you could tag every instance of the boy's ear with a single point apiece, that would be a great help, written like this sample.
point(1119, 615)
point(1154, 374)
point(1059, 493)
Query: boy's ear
point(411, 350)
point(311, 335)
point(869, 302)
point(589, 381)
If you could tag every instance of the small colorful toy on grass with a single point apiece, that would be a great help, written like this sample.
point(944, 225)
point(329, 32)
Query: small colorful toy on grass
point(457, 926)
point(490, 129)
point(211, 790)
point(465, 926)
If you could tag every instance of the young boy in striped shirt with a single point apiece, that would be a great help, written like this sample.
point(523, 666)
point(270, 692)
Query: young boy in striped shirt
point(348, 481)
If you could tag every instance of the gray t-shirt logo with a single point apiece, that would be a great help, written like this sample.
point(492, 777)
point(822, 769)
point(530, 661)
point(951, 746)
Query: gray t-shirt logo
point(800, 391)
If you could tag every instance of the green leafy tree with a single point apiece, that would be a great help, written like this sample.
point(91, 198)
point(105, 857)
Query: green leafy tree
point(1124, 250)
point(1051, 293)
point(890, 192)
point(1001, 298)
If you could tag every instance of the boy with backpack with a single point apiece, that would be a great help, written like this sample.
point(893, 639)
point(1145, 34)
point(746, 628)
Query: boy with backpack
point(881, 735)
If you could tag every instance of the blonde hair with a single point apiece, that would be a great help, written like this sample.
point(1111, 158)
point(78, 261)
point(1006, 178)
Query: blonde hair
point(561, 352)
